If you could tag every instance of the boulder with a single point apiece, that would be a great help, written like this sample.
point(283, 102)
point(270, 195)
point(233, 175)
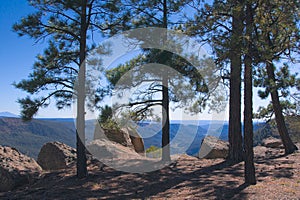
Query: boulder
point(56, 155)
point(212, 148)
point(136, 140)
point(107, 150)
point(272, 142)
point(127, 137)
point(113, 135)
point(16, 169)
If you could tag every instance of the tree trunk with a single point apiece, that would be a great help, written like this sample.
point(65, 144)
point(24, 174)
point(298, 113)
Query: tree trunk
point(165, 100)
point(80, 123)
point(165, 121)
point(248, 107)
point(289, 146)
point(235, 131)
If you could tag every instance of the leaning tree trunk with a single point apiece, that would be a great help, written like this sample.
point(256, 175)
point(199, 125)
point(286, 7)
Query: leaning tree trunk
point(289, 146)
point(235, 130)
point(80, 122)
point(248, 107)
point(165, 100)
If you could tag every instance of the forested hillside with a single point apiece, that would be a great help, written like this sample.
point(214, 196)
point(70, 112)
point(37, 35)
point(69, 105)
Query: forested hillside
point(265, 130)
point(28, 137)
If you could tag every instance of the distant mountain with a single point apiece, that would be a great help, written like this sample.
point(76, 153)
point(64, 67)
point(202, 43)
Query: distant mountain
point(185, 137)
point(58, 119)
point(28, 137)
point(8, 114)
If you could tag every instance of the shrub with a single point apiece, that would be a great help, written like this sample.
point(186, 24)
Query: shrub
point(154, 152)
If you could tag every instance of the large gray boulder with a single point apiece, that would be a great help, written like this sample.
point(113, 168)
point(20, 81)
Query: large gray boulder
point(272, 142)
point(16, 169)
point(117, 136)
point(104, 149)
point(56, 155)
point(212, 148)
point(127, 137)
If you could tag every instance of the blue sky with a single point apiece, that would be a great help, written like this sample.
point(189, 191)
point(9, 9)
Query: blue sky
point(17, 56)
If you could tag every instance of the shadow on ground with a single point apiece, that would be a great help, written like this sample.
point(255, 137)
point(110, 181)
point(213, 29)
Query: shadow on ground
point(187, 178)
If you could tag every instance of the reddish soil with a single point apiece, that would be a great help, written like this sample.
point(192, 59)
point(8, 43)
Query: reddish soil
point(278, 177)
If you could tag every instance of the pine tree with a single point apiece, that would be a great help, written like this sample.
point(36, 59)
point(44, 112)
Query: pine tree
point(221, 26)
point(158, 14)
point(248, 97)
point(184, 90)
point(64, 25)
point(235, 55)
point(277, 36)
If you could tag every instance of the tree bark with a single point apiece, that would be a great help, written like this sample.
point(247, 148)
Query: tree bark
point(80, 123)
point(248, 107)
point(165, 121)
point(165, 99)
point(289, 146)
point(235, 130)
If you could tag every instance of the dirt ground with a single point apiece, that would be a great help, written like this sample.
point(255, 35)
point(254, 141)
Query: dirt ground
point(278, 177)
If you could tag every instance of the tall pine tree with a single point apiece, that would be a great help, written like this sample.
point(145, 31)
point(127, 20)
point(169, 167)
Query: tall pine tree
point(158, 14)
point(248, 96)
point(66, 26)
point(221, 25)
point(277, 36)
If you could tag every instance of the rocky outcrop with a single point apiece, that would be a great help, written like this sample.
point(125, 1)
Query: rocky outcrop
point(107, 150)
point(113, 135)
point(56, 155)
point(16, 169)
point(272, 142)
point(127, 137)
point(212, 148)
point(136, 140)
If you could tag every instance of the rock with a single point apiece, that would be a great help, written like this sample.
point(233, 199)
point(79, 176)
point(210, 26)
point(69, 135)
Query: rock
point(127, 137)
point(271, 142)
point(136, 140)
point(56, 155)
point(260, 151)
point(117, 136)
point(212, 148)
point(16, 169)
point(107, 150)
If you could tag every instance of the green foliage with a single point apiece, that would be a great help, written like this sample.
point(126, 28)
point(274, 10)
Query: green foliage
point(59, 24)
point(211, 24)
point(189, 86)
point(287, 86)
point(270, 130)
point(154, 152)
point(110, 124)
point(115, 74)
point(106, 120)
point(276, 29)
point(106, 114)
